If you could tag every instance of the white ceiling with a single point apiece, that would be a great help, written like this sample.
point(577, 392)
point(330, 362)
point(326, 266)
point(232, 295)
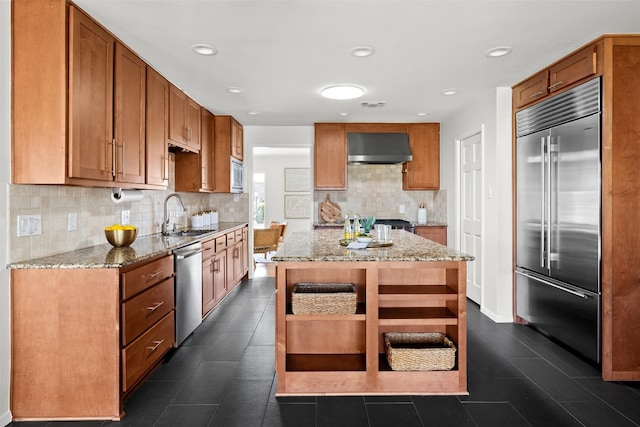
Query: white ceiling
point(283, 52)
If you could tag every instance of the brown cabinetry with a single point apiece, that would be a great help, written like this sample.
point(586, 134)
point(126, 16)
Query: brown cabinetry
point(565, 73)
point(79, 101)
point(157, 128)
point(330, 156)
point(344, 353)
point(82, 339)
point(228, 143)
point(436, 233)
point(195, 171)
point(184, 120)
point(423, 172)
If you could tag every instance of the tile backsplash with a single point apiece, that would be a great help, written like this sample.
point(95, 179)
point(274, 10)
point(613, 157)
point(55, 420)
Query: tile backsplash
point(377, 190)
point(95, 210)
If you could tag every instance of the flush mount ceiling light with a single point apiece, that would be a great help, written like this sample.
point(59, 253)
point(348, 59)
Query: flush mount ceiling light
point(235, 90)
point(362, 51)
point(204, 49)
point(449, 92)
point(497, 52)
point(342, 92)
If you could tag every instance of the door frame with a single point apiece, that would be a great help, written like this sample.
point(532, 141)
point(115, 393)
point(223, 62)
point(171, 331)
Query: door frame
point(458, 200)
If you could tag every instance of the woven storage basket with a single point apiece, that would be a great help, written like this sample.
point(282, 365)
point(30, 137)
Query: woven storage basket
point(324, 298)
point(419, 351)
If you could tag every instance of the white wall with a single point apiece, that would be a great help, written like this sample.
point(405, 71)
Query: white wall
point(493, 115)
point(5, 170)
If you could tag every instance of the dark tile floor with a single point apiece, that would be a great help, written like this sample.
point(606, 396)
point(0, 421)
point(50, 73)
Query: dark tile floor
point(223, 375)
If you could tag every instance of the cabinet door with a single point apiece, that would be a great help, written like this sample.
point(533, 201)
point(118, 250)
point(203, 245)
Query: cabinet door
point(157, 128)
point(330, 156)
point(237, 142)
point(578, 66)
point(220, 275)
point(90, 99)
point(531, 89)
point(129, 116)
point(192, 118)
point(437, 234)
point(208, 291)
point(206, 151)
point(177, 120)
point(423, 173)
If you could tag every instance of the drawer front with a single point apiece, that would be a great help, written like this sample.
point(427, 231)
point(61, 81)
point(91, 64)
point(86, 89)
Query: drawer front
point(143, 277)
point(145, 351)
point(231, 238)
point(221, 243)
point(238, 236)
point(142, 311)
point(208, 249)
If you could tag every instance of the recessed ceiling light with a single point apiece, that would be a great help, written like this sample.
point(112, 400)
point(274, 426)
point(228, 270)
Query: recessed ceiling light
point(235, 90)
point(344, 114)
point(362, 51)
point(421, 113)
point(449, 92)
point(204, 49)
point(497, 52)
point(253, 113)
point(342, 92)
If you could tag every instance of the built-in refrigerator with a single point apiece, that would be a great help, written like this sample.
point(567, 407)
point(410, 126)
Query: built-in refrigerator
point(558, 186)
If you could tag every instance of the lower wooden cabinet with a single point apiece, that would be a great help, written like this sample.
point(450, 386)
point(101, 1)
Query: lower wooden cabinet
point(436, 233)
point(83, 339)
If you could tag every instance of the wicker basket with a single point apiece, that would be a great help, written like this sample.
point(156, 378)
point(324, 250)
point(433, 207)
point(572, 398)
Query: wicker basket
point(324, 298)
point(419, 351)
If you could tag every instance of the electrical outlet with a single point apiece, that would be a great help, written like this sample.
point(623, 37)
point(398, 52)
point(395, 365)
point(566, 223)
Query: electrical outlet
point(126, 217)
point(29, 225)
point(401, 209)
point(72, 223)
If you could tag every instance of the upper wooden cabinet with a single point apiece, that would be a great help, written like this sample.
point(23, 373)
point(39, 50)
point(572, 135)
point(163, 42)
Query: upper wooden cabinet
point(195, 171)
point(563, 74)
point(157, 128)
point(229, 136)
point(184, 120)
point(423, 172)
point(330, 156)
point(79, 101)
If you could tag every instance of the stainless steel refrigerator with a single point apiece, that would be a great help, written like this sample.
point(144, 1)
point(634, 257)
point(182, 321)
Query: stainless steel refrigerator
point(558, 185)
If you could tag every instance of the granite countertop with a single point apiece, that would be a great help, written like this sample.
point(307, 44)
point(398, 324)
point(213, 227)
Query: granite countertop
point(107, 256)
point(415, 224)
point(323, 244)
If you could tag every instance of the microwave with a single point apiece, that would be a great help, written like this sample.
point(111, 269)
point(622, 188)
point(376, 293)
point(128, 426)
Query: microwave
point(237, 176)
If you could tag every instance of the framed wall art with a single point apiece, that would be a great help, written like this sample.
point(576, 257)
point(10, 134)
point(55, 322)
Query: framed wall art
point(297, 179)
point(297, 206)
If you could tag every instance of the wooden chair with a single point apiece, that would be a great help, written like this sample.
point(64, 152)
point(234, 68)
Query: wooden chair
point(282, 226)
point(265, 240)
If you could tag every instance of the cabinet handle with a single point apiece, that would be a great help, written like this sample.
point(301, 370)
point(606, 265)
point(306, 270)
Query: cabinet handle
point(165, 168)
point(155, 347)
point(153, 275)
point(122, 146)
point(155, 306)
point(560, 83)
point(217, 266)
point(536, 94)
point(112, 168)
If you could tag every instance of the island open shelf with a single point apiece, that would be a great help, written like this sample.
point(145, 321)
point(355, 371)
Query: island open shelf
point(330, 354)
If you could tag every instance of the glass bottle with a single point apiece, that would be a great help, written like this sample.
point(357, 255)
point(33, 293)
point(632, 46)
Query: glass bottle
point(347, 227)
point(357, 231)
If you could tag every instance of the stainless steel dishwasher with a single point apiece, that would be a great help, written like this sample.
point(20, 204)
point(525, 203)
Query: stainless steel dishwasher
point(188, 267)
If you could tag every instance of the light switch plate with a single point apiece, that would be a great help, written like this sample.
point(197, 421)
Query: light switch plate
point(126, 217)
point(72, 223)
point(401, 209)
point(29, 225)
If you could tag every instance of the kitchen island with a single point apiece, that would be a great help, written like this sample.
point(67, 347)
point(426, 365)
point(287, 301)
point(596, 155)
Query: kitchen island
point(412, 285)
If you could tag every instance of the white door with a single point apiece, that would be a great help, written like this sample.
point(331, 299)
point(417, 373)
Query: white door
point(471, 211)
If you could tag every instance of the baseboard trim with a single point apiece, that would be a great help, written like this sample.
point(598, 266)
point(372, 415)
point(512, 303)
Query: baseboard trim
point(5, 418)
point(495, 318)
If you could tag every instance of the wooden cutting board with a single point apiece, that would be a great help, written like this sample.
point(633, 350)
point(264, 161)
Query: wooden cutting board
point(329, 211)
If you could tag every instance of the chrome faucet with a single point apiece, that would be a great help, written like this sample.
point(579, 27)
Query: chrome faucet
point(165, 221)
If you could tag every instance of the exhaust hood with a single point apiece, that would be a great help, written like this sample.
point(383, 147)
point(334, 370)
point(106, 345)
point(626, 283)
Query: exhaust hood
point(378, 148)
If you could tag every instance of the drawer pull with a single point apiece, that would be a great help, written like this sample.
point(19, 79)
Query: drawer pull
point(155, 347)
point(536, 94)
point(154, 275)
point(217, 266)
point(560, 83)
point(155, 307)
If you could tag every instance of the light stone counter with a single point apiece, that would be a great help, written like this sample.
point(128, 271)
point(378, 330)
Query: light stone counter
point(323, 244)
point(107, 256)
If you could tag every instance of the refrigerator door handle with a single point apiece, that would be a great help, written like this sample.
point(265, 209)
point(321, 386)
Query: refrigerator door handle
point(548, 203)
point(569, 291)
point(542, 203)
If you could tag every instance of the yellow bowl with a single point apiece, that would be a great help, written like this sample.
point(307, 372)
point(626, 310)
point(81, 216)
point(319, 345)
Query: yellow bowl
point(121, 238)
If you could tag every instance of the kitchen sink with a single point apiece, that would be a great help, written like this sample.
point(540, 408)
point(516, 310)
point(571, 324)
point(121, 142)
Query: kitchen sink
point(187, 233)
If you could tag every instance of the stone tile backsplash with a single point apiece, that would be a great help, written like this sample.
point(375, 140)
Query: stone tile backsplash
point(377, 190)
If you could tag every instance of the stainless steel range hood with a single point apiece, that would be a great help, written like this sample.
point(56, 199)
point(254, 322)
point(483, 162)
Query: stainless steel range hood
point(378, 148)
